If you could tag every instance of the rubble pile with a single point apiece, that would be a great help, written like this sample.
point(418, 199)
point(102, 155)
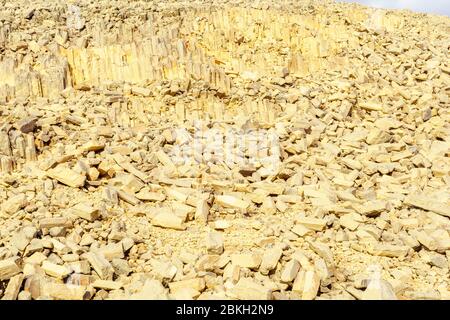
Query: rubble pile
point(223, 150)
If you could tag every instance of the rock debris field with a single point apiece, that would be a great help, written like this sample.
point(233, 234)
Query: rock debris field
point(223, 150)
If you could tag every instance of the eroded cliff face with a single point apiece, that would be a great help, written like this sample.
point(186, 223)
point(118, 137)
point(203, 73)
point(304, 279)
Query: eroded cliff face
point(223, 150)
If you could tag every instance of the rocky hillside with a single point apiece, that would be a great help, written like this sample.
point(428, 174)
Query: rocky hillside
point(223, 150)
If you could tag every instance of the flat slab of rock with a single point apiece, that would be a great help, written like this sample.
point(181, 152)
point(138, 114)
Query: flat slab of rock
point(13, 288)
point(315, 224)
point(85, 211)
point(55, 270)
point(67, 176)
point(270, 260)
point(388, 250)
point(231, 202)
point(8, 269)
point(61, 291)
point(424, 202)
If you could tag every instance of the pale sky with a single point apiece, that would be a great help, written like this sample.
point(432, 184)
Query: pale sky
point(429, 6)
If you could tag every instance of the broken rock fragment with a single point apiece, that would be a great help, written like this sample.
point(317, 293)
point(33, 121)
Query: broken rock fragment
point(67, 176)
point(236, 151)
point(168, 220)
point(270, 260)
point(214, 242)
point(8, 269)
point(231, 202)
point(246, 260)
point(424, 202)
point(14, 204)
point(249, 289)
point(85, 211)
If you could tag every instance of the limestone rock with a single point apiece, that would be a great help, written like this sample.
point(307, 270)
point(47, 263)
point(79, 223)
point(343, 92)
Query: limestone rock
point(14, 204)
point(8, 269)
point(214, 243)
point(67, 176)
point(85, 211)
point(248, 289)
point(246, 260)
